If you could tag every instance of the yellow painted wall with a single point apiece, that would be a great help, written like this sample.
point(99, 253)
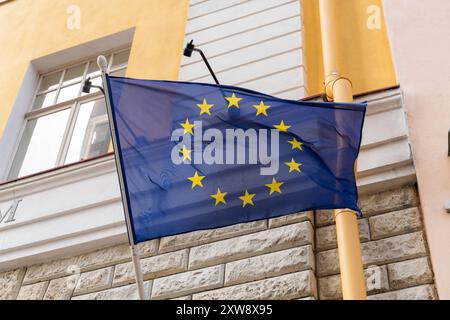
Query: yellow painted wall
point(364, 54)
point(30, 29)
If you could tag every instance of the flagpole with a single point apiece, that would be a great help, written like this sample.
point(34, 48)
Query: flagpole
point(339, 89)
point(103, 65)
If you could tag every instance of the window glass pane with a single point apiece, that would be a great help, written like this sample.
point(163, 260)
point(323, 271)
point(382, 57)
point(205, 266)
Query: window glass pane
point(44, 100)
point(100, 140)
point(120, 59)
point(40, 145)
point(119, 73)
point(93, 69)
point(74, 74)
point(50, 82)
point(97, 81)
point(70, 92)
point(91, 135)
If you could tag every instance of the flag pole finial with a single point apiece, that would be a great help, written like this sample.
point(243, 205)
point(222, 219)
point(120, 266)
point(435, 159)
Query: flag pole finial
point(102, 63)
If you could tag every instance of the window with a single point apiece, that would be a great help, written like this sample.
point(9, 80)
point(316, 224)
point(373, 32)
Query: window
point(66, 125)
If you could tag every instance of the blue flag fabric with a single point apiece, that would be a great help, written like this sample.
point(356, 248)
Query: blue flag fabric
point(166, 131)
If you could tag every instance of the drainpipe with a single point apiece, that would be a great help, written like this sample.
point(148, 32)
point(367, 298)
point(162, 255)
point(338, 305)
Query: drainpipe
point(339, 89)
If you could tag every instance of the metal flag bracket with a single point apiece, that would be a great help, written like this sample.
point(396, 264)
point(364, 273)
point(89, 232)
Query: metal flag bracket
point(87, 86)
point(190, 47)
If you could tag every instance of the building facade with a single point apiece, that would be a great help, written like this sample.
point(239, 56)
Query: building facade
point(62, 231)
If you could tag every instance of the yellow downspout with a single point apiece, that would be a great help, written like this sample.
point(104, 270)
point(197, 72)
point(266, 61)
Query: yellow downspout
point(339, 89)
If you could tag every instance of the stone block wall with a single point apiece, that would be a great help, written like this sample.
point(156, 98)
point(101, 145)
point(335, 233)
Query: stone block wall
point(394, 248)
point(291, 257)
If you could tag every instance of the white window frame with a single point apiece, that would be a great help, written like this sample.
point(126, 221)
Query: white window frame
point(73, 104)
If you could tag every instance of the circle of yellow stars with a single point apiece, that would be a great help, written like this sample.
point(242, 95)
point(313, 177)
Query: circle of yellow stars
point(219, 197)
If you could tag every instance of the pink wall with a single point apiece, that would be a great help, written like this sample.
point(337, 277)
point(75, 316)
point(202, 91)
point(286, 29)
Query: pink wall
point(420, 39)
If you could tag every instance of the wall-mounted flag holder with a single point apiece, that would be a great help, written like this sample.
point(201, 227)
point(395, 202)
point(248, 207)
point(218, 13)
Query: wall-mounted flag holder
point(190, 47)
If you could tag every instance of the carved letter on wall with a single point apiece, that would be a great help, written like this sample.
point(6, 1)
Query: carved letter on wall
point(10, 213)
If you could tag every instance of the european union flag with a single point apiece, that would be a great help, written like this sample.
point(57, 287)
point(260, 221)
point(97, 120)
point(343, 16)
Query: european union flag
point(200, 156)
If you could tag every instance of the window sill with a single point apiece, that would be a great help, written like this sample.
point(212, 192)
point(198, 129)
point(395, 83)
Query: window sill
point(58, 169)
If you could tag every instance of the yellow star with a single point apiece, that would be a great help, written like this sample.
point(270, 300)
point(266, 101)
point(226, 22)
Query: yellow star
point(187, 127)
point(219, 196)
point(186, 153)
point(274, 186)
point(233, 101)
point(293, 166)
point(261, 109)
point(205, 107)
point(196, 180)
point(282, 127)
point(296, 144)
point(247, 199)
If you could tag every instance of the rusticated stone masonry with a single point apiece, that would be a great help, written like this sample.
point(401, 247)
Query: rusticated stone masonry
point(394, 249)
point(291, 257)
